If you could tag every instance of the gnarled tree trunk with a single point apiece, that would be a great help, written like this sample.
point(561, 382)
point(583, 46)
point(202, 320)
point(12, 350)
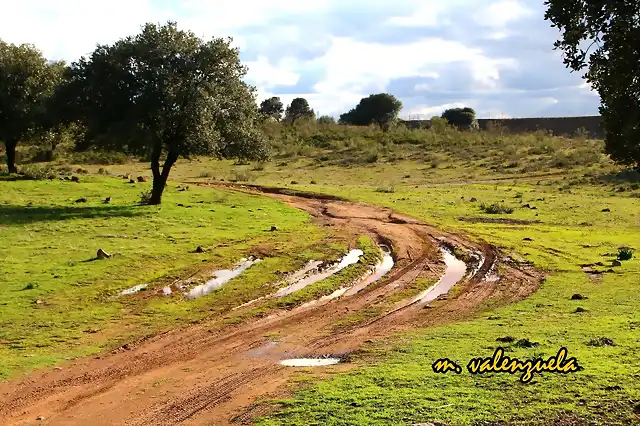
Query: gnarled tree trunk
point(160, 177)
point(11, 156)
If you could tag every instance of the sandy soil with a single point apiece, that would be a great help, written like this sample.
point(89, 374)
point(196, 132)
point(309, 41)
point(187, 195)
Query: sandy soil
point(206, 374)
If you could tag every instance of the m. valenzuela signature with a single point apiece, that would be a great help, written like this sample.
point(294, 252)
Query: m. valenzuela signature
point(499, 363)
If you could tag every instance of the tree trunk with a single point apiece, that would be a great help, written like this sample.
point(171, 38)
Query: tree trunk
point(11, 156)
point(160, 177)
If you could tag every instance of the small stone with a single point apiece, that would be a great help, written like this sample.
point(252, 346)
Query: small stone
point(578, 296)
point(75, 179)
point(580, 310)
point(606, 210)
point(616, 263)
point(199, 250)
point(101, 254)
point(57, 368)
point(132, 181)
point(40, 418)
point(81, 200)
point(274, 228)
point(473, 199)
point(142, 179)
point(527, 239)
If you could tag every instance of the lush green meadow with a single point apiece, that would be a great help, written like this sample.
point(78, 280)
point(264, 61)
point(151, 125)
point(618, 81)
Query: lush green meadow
point(571, 206)
point(58, 301)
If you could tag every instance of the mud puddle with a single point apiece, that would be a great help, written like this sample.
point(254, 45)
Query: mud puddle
point(310, 362)
point(456, 270)
point(380, 270)
point(349, 259)
point(133, 290)
point(221, 277)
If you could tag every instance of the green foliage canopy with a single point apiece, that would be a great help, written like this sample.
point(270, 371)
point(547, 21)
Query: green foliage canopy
point(602, 36)
point(165, 92)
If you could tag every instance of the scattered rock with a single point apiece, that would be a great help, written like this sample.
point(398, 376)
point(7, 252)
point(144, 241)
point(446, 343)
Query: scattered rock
point(578, 296)
point(601, 341)
point(75, 179)
point(606, 210)
point(527, 239)
point(57, 368)
point(142, 179)
point(274, 228)
point(473, 199)
point(294, 182)
point(313, 182)
point(102, 254)
point(107, 200)
point(199, 250)
point(579, 310)
point(132, 181)
point(506, 339)
point(616, 263)
point(40, 418)
point(180, 205)
point(526, 343)
point(81, 200)
point(39, 302)
point(233, 207)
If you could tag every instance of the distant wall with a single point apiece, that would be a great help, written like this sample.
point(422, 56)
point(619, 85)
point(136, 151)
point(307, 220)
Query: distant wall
point(560, 126)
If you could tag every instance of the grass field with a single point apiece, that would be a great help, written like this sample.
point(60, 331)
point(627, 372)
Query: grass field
point(571, 207)
point(395, 384)
point(59, 302)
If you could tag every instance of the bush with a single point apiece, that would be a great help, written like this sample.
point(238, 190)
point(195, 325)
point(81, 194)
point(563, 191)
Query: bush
point(625, 253)
point(98, 157)
point(386, 189)
point(243, 175)
point(34, 172)
point(259, 166)
point(145, 197)
point(496, 208)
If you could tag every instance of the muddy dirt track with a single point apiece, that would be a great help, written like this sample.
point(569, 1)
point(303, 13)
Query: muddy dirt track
point(198, 376)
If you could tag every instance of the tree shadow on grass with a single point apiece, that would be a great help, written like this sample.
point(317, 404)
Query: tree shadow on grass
point(624, 176)
point(21, 215)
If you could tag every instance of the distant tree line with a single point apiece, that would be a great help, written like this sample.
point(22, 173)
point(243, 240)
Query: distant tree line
point(165, 93)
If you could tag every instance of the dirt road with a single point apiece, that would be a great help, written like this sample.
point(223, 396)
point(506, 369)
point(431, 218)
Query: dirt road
point(197, 376)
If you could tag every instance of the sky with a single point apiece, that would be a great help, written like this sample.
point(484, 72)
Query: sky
point(495, 56)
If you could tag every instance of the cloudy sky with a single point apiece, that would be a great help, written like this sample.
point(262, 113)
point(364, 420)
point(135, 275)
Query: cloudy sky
point(493, 55)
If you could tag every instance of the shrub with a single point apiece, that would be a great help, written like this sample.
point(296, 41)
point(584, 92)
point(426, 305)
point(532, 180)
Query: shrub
point(625, 253)
point(34, 172)
point(145, 197)
point(243, 175)
point(386, 189)
point(495, 208)
point(259, 166)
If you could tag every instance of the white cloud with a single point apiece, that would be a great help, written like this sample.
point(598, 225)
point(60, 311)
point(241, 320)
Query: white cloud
point(353, 65)
point(501, 13)
point(327, 48)
point(265, 75)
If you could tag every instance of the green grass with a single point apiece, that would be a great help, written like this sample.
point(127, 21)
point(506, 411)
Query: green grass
point(58, 302)
point(395, 383)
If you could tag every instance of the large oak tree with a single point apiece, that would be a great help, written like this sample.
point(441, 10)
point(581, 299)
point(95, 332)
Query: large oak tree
point(27, 80)
point(166, 93)
point(603, 37)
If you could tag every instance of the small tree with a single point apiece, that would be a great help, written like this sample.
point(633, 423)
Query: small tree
point(381, 109)
point(462, 118)
point(167, 93)
point(299, 108)
point(26, 81)
point(326, 119)
point(272, 108)
point(612, 29)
